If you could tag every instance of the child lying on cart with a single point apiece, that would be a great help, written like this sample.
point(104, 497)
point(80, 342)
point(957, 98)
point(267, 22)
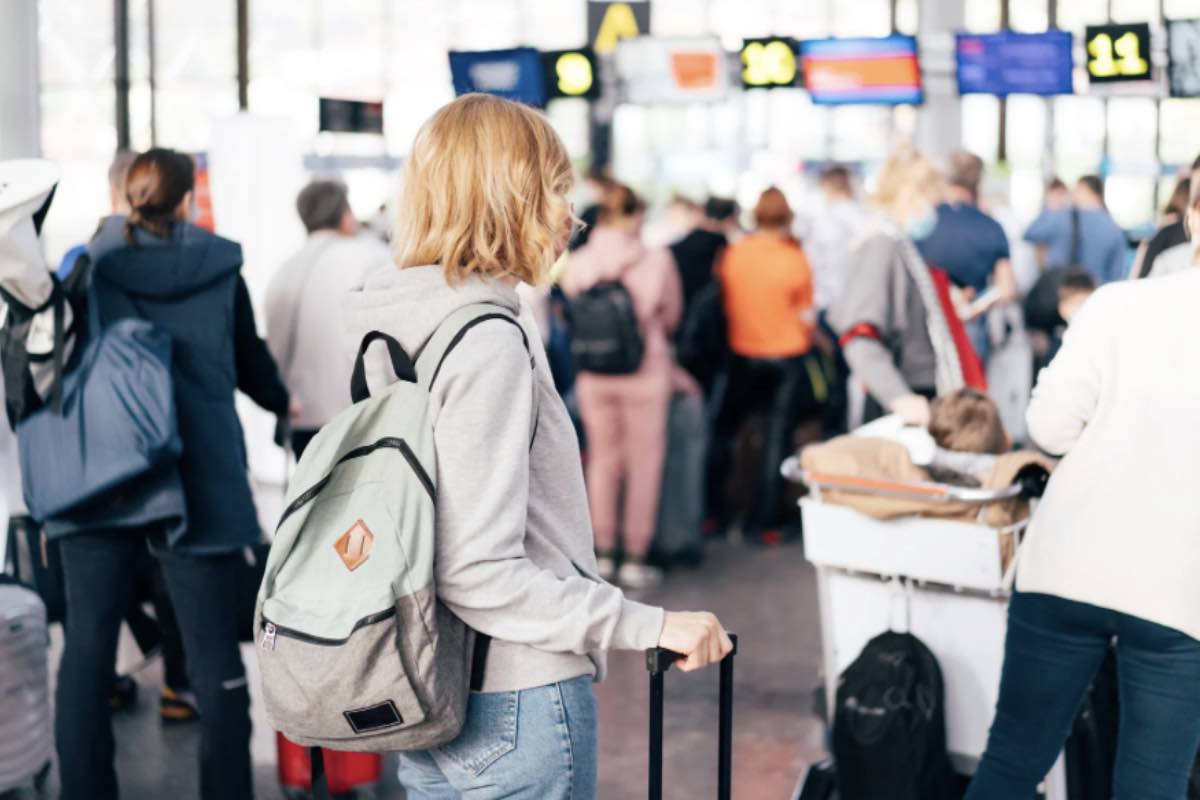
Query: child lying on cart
point(964, 445)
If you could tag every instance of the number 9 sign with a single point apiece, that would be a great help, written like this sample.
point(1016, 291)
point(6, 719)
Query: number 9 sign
point(1118, 52)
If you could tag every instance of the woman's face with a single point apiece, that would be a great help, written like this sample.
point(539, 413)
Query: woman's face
point(916, 211)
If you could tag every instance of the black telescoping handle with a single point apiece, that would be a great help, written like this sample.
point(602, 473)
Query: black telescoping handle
point(658, 661)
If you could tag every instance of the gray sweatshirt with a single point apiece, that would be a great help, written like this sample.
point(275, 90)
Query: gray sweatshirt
point(514, 556)
point(880, 292)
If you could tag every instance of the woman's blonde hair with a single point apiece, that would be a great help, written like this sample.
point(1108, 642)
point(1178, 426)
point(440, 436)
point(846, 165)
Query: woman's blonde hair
point(485, 192)
point(907, 172)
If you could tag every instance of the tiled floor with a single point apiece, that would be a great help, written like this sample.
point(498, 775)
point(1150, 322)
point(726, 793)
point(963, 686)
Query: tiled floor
point(767, 596)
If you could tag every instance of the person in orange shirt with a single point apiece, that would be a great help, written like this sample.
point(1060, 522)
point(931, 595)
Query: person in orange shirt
point(768, 295)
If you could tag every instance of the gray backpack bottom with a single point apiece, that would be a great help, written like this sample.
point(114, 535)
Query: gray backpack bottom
point(358, 679)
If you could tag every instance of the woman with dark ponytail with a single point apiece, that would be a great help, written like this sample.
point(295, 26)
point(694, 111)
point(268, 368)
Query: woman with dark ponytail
point(156, 265)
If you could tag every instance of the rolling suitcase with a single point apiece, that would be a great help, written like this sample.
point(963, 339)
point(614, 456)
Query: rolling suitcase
point(36, 562)
point(26, 730)
point(680, 534)
point(346, 774)
point(658, 661)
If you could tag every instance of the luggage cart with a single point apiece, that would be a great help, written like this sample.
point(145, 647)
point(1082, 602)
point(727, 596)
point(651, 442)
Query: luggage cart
point(946, 578)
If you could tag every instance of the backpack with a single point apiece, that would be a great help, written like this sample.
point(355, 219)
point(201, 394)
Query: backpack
point(605, 335)
point(355, 649)
point(889, 728)
point(702, 344)
point(20, 389)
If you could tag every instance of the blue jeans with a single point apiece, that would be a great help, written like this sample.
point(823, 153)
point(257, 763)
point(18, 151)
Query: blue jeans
point(538, 744)
point(1053, 650)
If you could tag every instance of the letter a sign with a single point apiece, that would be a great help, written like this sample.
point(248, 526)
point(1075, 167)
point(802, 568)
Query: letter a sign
point(610, 22)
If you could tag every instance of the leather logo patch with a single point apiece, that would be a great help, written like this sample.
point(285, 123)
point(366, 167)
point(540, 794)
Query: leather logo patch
point(354, 546)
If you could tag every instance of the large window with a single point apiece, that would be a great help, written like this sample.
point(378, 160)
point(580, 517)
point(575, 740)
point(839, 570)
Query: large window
point(75, 44)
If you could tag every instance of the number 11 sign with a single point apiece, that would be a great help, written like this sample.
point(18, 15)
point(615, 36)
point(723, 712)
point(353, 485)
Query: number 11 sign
point(1118, 53)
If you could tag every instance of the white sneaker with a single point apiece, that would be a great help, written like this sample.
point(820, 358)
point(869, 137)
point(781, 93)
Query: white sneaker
point(605, 567)
point(639, 576)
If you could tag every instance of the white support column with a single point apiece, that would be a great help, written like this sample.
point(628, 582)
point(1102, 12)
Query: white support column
point(19, 117)
point(939, 120)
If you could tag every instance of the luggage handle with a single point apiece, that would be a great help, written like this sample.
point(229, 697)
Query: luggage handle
point(658, 661)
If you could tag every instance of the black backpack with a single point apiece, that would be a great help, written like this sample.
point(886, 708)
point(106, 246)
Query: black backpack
point(605, 335)
point(889, 728)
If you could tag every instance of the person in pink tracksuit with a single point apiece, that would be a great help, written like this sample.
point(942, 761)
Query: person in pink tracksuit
point(625, 416)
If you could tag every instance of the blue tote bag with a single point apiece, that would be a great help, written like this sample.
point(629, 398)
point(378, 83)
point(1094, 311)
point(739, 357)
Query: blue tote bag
point(116, 423)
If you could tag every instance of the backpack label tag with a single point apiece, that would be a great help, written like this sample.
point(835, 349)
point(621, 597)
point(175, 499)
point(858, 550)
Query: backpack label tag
point(354, 546)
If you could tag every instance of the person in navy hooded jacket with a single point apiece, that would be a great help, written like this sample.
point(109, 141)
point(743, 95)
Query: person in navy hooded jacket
point(157, 266)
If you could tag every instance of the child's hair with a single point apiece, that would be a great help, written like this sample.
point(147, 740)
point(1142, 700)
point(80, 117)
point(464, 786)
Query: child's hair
point(1075, 280)
point(967, 421)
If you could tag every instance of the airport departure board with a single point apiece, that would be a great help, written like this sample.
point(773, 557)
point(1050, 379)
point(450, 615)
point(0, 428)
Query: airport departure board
point(1014, 63)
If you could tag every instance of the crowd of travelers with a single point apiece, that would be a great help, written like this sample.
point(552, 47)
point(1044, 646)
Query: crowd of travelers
point(755, 331)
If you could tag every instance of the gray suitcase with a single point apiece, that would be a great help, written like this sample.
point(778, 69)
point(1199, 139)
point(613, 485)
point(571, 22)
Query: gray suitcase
point(680, 534)
point(26, 728)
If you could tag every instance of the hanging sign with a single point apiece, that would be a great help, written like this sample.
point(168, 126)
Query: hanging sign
point(610, 22)
point(769, 63)
point(1117, 53)
point(571, 73)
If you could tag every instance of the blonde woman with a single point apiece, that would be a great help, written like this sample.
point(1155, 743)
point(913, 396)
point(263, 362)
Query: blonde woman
point(484, 207)
point(897, 324)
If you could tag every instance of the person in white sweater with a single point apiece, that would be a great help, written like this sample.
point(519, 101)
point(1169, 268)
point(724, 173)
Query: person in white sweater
point(1113, 552)
point(304, 307)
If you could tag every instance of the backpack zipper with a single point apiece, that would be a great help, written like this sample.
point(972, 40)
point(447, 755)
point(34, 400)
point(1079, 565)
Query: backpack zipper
point(271, 630)
point(386, 443)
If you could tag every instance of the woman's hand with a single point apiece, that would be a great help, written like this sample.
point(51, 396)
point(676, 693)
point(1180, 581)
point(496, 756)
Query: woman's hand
point(912, 409)
point(698, 635)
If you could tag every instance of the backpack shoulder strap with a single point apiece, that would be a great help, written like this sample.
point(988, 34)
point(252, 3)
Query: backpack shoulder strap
point(452, 331)
point(450, 334)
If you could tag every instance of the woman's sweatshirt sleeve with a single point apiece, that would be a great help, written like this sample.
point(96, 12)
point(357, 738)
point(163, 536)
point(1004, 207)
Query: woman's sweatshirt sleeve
point(483, 572)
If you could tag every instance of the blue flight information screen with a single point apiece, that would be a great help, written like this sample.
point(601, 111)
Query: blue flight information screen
point(514, 74)
point(1014, 63)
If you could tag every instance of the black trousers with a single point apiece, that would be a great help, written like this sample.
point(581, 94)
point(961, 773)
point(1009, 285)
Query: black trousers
point(779, 388)
point(161, 630)
point(100, 569)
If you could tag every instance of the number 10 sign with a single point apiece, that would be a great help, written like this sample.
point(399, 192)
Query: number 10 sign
point(1118, 52)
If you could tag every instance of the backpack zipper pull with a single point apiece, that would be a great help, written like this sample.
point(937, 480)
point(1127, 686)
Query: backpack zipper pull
point(268, 642)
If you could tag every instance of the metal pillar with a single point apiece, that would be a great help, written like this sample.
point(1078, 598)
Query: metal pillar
point(19, 124)
point(939, 123)
point(1002, 140)
point(121, 71)
point(243, 54)
point(152, 57)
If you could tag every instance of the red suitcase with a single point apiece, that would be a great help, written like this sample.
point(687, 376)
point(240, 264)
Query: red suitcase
point(345, 773)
